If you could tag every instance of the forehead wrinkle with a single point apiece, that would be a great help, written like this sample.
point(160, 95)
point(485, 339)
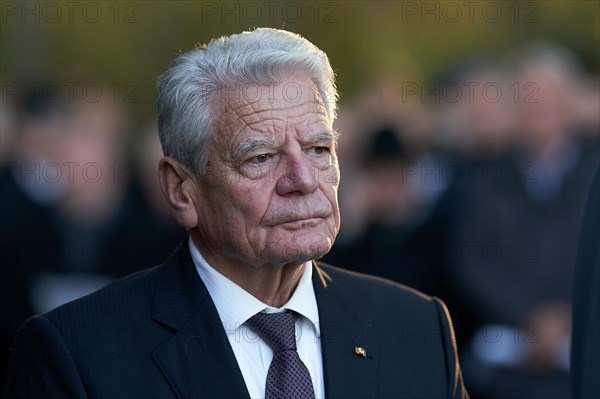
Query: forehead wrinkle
point(236, 121)
point(261, 137)
point(237, 111)
point(251, 125)
point(245, 115)
point(307, 126)
point(260, 106)
point(255, 114)
point(311, 121)
point(317, 110)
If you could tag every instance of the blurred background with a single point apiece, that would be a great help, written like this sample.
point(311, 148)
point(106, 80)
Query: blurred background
point(469, 136)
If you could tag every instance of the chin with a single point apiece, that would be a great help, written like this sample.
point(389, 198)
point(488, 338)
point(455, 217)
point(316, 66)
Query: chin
point(300, 248)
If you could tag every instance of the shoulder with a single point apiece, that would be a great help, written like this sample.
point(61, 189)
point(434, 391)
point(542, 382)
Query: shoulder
point(125, 297)
point(383, 296)
point(415, 328)
point(54, 353)
point(130, 303)
point(368, 284)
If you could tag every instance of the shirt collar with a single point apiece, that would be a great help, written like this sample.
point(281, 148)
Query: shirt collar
point(235, 305)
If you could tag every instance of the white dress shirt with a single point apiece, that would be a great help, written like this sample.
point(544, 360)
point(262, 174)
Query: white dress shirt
point(235, 306)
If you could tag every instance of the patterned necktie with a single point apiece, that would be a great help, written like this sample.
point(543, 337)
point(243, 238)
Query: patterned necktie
point(288, 377)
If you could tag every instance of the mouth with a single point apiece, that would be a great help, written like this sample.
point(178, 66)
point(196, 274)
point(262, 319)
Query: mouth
point(296, 224)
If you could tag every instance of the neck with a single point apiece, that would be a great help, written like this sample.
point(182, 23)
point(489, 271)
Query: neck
point(270, 284)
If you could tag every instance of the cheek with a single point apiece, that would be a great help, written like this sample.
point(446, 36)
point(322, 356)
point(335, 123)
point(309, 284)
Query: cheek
point(331, 192)
point(331, 174)
point(330, 184)
point(251, 202)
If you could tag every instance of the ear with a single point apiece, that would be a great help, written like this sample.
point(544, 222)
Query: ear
point(179, 187)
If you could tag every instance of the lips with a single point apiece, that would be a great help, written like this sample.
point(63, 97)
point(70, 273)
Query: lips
point(301, 223)
point(314, 215)
point(298, 219)
point(298, 210)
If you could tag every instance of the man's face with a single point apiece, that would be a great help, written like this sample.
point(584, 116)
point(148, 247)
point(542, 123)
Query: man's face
point(269, 196)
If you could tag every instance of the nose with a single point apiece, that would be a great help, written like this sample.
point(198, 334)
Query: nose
point(298, 178)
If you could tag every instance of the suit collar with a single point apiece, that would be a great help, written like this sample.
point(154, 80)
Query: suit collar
point(197, 360)
point(236, 305)
point(179, 290)
point(346, 373)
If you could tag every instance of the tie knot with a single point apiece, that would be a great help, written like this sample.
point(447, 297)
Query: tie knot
point(278, 330)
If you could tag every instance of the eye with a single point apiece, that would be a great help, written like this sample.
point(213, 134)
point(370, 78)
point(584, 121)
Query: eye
point(320, 150)
point(262, 158)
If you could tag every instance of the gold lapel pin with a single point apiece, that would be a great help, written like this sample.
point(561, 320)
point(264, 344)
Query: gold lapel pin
point(360, 351)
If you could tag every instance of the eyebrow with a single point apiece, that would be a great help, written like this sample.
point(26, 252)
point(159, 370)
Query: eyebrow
point(328, 136)
point(249, 145)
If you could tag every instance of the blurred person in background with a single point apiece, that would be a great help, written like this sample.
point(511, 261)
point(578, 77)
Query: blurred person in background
point(62, 197)
point(7, 127)
point(397, 239)
point(475, 129)
point(585, 106)
point(157, 231)
point(72, 218)
point(513, 236)
point(149, 153)
point(377, 105)
point(94, 142)
point(352, 196)
point(14, 305)
point(476, 115)
point(390, 194)
point(25, 204)
point(110, 216)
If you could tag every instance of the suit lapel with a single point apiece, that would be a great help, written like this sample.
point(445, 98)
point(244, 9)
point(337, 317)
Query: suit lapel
point(347, 374)
point(198, 360)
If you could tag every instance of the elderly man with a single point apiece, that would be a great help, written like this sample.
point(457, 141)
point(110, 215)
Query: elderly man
point(241, 309)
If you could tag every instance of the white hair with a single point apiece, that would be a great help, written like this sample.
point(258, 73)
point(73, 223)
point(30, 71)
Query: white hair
point(186, 90)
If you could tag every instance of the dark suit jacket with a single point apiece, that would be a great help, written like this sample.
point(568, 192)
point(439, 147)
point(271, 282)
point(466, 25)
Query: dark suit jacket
point(585, 353)
point(157, 334)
